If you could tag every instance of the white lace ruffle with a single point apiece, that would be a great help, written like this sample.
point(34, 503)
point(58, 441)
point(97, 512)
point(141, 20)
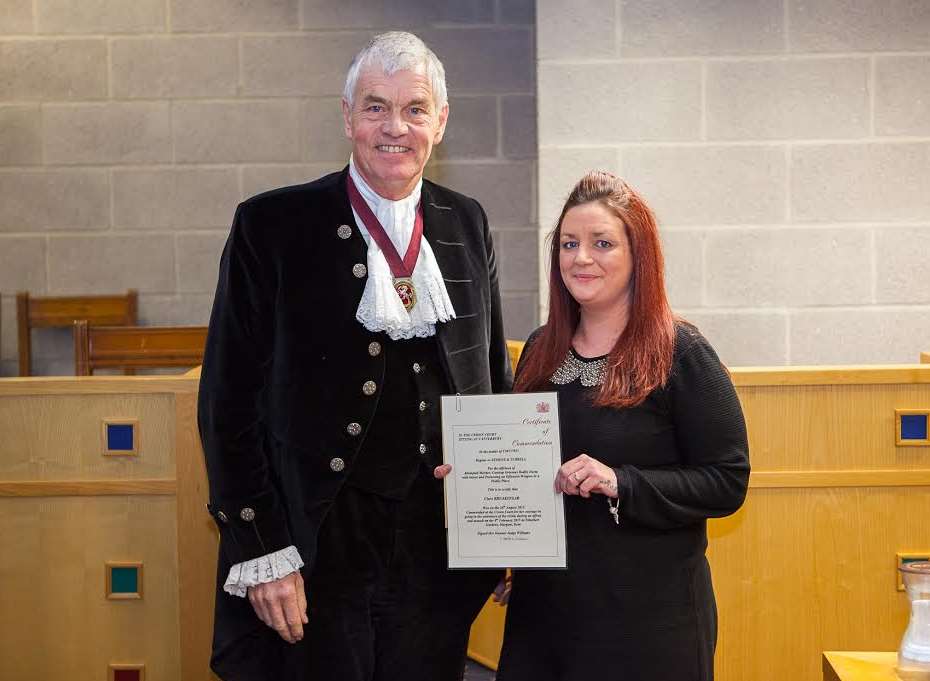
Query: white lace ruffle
point(380, 308)
point(262, 570)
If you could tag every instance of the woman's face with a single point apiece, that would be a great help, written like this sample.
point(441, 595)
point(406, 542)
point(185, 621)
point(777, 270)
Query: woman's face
point(594, 257)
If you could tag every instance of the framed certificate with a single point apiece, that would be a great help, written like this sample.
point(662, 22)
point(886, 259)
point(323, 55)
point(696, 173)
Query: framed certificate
point(502, 509)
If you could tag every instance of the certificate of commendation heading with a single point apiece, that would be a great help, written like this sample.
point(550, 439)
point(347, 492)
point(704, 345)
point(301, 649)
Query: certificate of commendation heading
point(501, 506)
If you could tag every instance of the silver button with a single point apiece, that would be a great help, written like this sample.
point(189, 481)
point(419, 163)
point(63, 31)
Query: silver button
point(422, 406)
point(353, 429)
point(336, 464)
point(423, 448)
point(247, 514)
point(369, 388)
point(359, 270)
point(223, 517)
point(344, 232)
point(417, 368)
point(374, 348)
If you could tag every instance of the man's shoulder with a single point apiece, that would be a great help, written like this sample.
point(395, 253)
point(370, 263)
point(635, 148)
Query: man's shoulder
point(297, 194)
point(445, 197)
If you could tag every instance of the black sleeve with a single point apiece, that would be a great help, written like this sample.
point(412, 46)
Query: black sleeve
point(237, 359)
point(498, 358)
point(710, 434)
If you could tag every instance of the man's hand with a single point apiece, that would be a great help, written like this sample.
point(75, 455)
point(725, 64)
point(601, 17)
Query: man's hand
point(442, 471)
point(282, 605)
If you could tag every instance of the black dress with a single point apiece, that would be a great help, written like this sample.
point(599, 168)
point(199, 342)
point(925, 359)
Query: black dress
point(636, 601)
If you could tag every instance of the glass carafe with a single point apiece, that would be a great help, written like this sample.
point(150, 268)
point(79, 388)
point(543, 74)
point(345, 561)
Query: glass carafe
point(914, 654)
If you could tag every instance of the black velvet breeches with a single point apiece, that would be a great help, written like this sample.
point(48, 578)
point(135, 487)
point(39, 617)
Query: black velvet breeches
point(382, 604)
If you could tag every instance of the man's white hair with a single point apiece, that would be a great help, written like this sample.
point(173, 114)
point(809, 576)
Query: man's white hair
point(398, 51)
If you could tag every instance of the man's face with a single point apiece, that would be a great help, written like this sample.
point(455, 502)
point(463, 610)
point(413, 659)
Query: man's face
point(393, 125)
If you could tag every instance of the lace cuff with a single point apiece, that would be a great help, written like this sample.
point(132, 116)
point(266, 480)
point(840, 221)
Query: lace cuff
point(262, 570)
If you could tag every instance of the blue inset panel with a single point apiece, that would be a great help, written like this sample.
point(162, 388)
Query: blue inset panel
point(913, 426)
point(120, 437)
point(124, 580)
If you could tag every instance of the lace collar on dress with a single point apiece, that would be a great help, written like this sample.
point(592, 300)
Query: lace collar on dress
point(574, 366)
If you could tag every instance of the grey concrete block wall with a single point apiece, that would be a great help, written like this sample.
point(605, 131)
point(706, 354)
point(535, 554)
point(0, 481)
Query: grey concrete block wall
point(785, 147)
point(101, 16)
point(21, 134)
point(129, 131)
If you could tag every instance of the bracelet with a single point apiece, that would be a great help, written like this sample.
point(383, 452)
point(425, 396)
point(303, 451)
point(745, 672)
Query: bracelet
point(614, 506)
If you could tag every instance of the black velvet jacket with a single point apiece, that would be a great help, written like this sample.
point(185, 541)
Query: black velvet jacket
point(286, 360)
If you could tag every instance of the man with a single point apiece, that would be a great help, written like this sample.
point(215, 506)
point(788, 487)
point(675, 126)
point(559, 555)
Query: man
point(345, 307)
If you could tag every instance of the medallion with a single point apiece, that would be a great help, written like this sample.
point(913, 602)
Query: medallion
point(401, 268)
point(406, 292)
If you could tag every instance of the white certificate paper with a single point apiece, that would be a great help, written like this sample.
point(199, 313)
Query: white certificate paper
point(501, 506)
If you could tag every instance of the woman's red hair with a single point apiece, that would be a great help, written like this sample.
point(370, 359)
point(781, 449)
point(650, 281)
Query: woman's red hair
point(641, 359)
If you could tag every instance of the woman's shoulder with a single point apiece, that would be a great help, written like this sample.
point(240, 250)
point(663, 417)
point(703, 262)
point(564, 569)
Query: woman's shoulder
point(687, 337)
point(692, 348)
point(534, 335)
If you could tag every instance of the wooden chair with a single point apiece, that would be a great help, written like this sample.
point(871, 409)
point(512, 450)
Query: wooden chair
point(149, 347)
point(33, 313)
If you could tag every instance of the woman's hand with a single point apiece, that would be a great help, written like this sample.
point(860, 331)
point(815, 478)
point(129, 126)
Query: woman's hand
point(585, 476)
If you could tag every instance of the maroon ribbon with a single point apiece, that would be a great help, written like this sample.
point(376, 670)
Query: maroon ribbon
point(399, 268)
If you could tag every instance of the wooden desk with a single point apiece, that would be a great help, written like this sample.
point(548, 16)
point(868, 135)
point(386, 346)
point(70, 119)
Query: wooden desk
point(843, 666)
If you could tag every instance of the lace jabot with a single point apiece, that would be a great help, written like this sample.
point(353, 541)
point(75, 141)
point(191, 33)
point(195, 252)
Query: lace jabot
point(574, 367)
point(380, 308)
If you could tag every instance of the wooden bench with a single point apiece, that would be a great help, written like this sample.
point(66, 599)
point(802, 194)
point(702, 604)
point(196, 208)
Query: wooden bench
point(136, 347)
point(43, 312)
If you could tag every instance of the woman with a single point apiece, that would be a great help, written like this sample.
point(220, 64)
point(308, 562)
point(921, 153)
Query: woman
point(653, 444)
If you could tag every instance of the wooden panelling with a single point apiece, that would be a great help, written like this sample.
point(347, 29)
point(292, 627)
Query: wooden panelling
point(67, 510)
point(198, 542)
point(57, 437)
point(96, 385)
point(865, 478)
point(801, 571)
point(87, 488)
point(821, 427)
point(807, 565)
point(831, 375)
point(56, 622)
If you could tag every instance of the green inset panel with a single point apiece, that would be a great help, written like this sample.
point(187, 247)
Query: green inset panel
point(124, 580)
